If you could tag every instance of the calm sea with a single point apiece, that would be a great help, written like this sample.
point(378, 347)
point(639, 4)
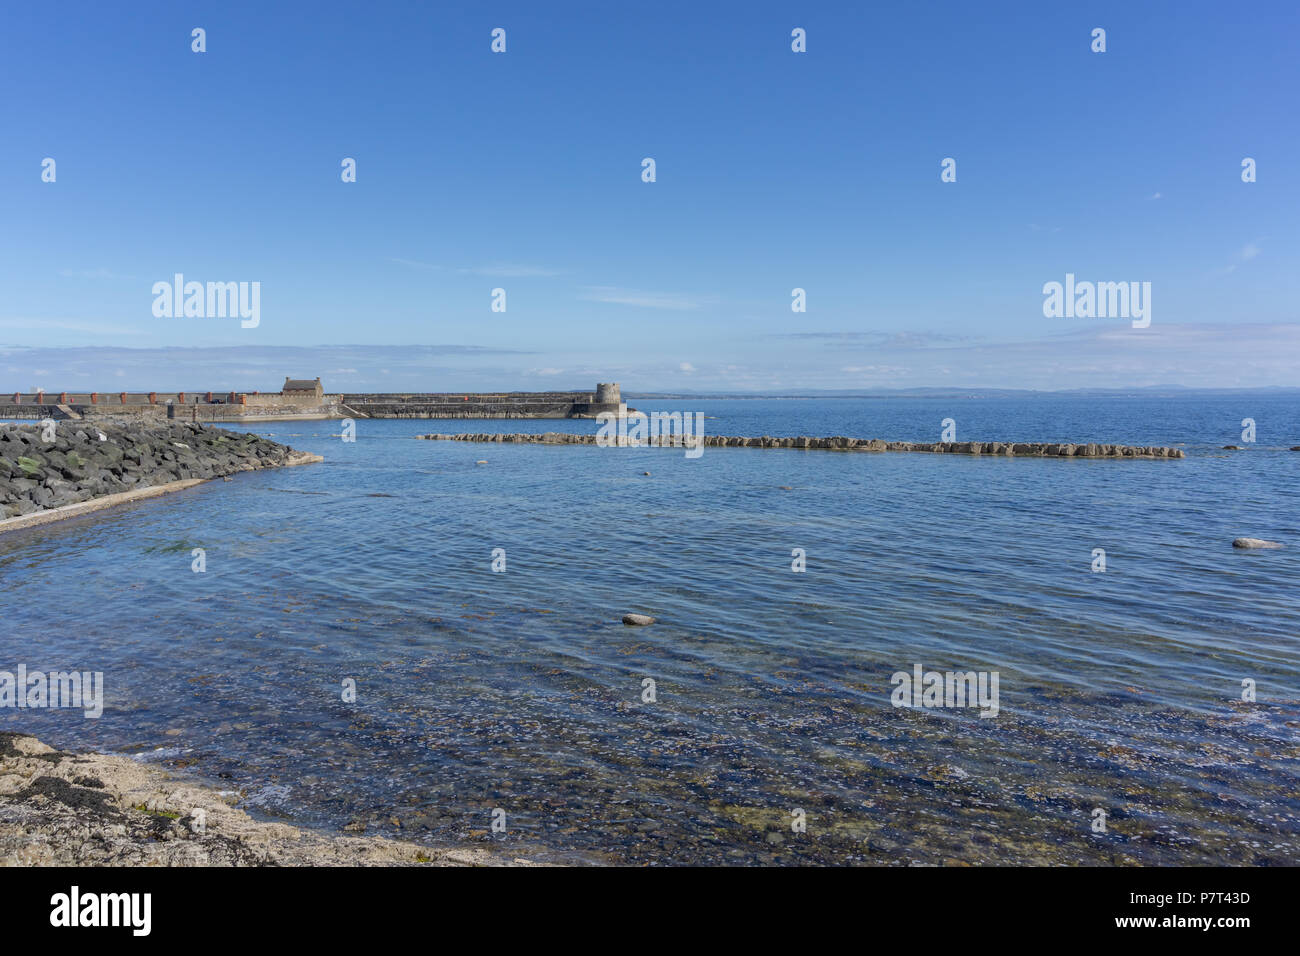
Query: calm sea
point(1119, 692)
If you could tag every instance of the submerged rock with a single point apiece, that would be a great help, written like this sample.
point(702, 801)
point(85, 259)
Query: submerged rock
point(637, 620)
point(1254, 543)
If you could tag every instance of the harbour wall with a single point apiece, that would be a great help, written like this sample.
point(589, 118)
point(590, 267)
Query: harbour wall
point(606, 398)
point(211, 406)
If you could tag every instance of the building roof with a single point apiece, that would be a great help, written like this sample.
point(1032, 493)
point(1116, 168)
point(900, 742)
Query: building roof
point(300, 384)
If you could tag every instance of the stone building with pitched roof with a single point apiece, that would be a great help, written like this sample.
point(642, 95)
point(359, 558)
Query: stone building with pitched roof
point(304, 388)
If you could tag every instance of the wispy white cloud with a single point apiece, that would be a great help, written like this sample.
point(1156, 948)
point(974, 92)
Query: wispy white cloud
point(414, 264)
point(247, 367)
point(100, 273)
point(68, 325)
point(496, 270)
point(511, 271)
point(874, 369)
point(908, 339)
point(1243, 255)
point(647, 300)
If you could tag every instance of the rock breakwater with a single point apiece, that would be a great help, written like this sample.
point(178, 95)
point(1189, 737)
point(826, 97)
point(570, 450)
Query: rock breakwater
point(842, 443)
point(47, 467)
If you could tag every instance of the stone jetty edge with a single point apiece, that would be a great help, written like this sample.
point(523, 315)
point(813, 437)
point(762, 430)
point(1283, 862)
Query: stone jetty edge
point(842, 443)
point(59, 808)
point(78, 473)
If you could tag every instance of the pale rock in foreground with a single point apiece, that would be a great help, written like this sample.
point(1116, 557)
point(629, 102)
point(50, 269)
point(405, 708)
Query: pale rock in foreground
point(1254, 543)
point(70, 809)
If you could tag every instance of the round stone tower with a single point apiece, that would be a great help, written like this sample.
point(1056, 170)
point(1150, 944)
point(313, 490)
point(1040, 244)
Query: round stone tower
point(608, 393)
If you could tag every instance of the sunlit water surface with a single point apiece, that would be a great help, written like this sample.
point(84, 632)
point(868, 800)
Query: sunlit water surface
point(523, 691)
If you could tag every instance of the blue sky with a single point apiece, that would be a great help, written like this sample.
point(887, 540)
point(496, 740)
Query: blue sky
point(775, 170)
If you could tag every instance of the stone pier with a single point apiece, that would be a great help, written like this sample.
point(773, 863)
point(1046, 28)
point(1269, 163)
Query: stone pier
point(306, 399)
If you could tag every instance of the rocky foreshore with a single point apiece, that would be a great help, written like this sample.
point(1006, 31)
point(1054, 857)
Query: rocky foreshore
point(841, 443)
point(52, 466)
point(68, 809)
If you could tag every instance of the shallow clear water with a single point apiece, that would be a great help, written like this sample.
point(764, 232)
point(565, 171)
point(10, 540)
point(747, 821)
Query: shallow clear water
point(523, 691)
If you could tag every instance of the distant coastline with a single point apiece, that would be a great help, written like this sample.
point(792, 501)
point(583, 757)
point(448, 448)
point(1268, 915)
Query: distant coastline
point(1147, 391)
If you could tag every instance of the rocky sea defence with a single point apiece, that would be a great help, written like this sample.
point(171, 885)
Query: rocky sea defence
point(69, 809)
point(52, 468)
point(842, 443)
